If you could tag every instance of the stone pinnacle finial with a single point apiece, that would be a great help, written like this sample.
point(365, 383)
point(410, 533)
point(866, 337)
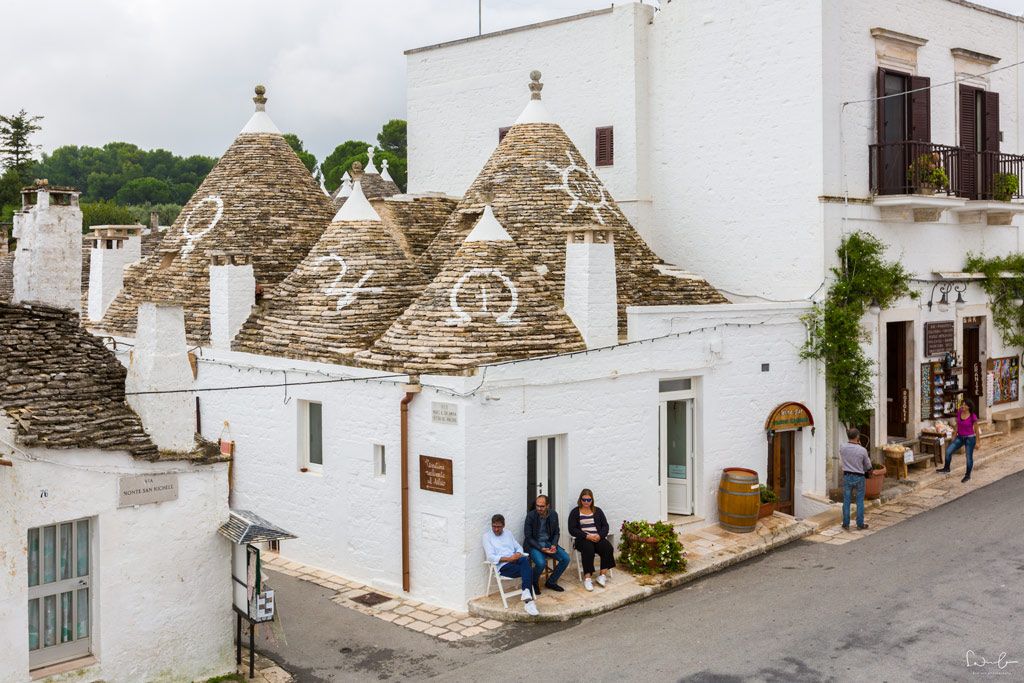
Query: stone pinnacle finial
point(260, 100)
point(535, 85)
point(369, 154)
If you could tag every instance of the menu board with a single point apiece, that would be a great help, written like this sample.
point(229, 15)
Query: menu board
point(938, 338)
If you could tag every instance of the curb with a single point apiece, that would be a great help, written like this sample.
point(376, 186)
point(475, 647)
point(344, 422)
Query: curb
point(717, 563)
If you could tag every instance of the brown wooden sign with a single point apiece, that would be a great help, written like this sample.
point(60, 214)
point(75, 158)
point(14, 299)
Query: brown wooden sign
point(789, 416)
point(436, 474)
point(938, 338)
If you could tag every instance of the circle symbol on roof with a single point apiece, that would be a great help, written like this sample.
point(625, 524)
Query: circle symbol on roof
point(582, 185)
point(484, 297)
point(192, 237)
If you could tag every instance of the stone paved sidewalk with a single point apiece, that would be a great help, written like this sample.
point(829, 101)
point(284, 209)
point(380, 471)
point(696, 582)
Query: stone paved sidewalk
point(998, 458)
point(439, 622)
point(265, 670)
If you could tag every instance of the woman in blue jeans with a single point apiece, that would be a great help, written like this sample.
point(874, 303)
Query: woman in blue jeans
point(967, 435)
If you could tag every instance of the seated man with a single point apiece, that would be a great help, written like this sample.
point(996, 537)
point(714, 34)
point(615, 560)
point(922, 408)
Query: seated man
point(541, 540)
point(503, 550)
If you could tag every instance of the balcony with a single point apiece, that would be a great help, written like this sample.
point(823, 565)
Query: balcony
point(922, 179)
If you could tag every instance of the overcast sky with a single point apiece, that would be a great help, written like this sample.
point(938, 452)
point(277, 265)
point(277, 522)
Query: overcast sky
point(179, 74)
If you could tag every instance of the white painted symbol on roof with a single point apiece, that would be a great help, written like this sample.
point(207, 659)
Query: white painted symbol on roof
point(348, 294)
point(582, 186)
point(192, 237)
point(462, 317)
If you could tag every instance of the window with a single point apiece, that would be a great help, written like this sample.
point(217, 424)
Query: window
point(59, 609)
point(311, 435)
point(380, 464)
point(604, 146)
point(502, 132)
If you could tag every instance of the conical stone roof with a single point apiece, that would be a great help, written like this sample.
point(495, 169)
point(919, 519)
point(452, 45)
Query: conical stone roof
point(374, 185)
point(539, 183)
point(342, 296)
point(258, 199)
point(488, 304)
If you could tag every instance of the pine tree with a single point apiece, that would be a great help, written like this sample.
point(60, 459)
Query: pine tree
point(16, 150)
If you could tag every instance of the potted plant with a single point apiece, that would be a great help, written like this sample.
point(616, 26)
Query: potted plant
point(1004, 186)
point(873, 482)
point(651, 548)
point(768, 502)
point(926, 174)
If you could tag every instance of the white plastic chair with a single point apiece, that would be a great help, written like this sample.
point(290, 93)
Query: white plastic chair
point(492, 574)
point(577, 558)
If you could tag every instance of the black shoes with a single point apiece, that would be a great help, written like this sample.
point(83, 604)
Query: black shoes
point(553, 586)
point(943, 470)
point(846, 527)
point(862, 527)
point(966, 479)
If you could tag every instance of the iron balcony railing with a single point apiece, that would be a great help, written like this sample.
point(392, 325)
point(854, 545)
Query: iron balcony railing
point(912, 167)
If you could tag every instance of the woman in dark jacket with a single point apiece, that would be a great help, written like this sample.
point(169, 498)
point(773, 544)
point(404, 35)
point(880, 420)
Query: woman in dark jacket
point(589, 526)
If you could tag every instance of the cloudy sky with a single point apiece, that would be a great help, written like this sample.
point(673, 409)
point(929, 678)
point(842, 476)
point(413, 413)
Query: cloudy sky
point(178, 74)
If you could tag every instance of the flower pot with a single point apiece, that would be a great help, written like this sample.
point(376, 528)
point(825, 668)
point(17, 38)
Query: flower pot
point(927, 188)
point(873, 484)
point(766, 510)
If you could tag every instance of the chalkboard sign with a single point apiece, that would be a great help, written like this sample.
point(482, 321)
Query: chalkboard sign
point(436, 474)
point(938, 338)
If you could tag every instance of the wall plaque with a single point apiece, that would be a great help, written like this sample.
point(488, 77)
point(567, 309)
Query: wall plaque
point(444, 413)
point(146, 488)
point(436, 474)
point(938, 338)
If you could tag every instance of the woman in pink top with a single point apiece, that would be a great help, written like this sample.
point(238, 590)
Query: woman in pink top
point(967, 435)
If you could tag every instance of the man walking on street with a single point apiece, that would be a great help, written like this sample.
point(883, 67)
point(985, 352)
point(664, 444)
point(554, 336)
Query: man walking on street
point(856, 466)
point(540, 537)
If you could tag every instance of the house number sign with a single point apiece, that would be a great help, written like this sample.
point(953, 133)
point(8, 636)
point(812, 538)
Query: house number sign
point(436, 474)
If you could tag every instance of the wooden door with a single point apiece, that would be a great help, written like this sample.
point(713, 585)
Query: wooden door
point(781, 459)
point(897, 394)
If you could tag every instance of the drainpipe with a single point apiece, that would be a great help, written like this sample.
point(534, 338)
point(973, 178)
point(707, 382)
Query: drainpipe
point(411, 389)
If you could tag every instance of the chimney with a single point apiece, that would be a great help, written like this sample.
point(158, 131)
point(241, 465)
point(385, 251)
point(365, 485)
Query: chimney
point(154, 221)
point(232, 296)
point(590, 296)
point(48, 264)
point(159, 362)
point(113, 248)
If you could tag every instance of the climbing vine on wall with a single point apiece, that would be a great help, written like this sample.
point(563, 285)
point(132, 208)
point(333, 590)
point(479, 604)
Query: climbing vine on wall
point(1004, 284)
point(835, 337)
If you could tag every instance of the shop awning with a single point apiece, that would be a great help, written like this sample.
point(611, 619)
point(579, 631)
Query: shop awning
point(247, 527)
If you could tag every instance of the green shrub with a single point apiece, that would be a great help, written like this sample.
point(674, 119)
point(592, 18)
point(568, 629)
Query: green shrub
point(927, 170)
point(1004, 186)
point(641, 557)
point(105, 213)
point(767, 495)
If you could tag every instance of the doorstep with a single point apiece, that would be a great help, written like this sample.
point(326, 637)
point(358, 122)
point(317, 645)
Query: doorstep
point(708, 550)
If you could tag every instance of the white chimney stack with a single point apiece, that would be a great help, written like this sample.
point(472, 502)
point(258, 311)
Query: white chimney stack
point(232, 296)
point(591, 299)
point(159, 362)
point(113, 248)
point(48, 261)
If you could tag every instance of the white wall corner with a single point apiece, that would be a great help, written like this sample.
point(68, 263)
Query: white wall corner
point(232, 296)
point(590, 295)
point(107, 262)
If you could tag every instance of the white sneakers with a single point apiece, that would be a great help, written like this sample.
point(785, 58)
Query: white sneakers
point(528, 604)
point(588, 584)
point(602, 580)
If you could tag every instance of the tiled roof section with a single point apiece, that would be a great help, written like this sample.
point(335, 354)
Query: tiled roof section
point(374, 187)
point(6, 277)
point(260, 200)
point(417, 218)
point(247, 527)
point(62, 387)
point(487, 304)
point(538, 182)
point(341, 297)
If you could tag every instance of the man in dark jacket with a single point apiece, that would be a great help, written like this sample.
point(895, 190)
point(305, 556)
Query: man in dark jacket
point(540, 537)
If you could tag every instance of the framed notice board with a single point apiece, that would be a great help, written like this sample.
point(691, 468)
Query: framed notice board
point(938, 338)
point(436, 474)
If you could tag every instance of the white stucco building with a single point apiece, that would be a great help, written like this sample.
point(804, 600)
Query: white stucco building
point(747, 141)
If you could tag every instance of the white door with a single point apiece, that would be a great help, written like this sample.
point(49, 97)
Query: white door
point(677, 454)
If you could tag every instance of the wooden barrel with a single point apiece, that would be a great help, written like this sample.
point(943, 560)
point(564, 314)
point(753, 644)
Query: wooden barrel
point(738, 499)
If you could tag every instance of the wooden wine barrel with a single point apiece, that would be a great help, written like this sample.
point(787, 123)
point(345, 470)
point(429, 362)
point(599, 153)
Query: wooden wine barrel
point(738, 499)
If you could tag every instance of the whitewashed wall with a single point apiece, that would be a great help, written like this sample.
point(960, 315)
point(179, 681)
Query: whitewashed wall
point(161, 578)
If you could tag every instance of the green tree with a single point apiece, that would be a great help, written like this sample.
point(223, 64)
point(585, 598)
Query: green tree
point(105, 213)
point(145, 191)
point(392, 138)
point(340, 160)
point(10, 194)
point(307, 158)
point(16, 148)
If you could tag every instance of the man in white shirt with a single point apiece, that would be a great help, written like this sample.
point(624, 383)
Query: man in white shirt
point(504, 551)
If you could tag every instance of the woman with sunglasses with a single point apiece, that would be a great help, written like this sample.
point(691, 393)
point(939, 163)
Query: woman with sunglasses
point(589, 526)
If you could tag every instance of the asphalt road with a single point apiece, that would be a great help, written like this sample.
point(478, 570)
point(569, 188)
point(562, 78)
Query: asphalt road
point(904, 604)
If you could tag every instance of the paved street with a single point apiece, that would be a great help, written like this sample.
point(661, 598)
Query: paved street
point(906, 603)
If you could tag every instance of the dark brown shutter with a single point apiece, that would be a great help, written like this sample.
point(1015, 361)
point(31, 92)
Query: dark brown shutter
point(991, 142)
point(968, 143)
point(604, 146)
point(920, 109)
point(880, 105)
point(502, 132)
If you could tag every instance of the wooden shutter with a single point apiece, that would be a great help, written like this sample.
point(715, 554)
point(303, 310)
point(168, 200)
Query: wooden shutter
point(502, 132)
point(880, 105)
point(991, 141)
point(604, 146)
point(968, 143)
point(920, 109)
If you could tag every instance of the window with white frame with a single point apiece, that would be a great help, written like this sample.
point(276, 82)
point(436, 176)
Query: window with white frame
point(380, 463)
point(60, 568)
point(311, 435)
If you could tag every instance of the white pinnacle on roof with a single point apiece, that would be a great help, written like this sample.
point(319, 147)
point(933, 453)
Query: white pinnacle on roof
point(370, 168)
point(356, 207)
point(346, 186)
point(487, 229)
point(259, 122)
point(322, 185)
point(535, 111)
point(384, 173)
